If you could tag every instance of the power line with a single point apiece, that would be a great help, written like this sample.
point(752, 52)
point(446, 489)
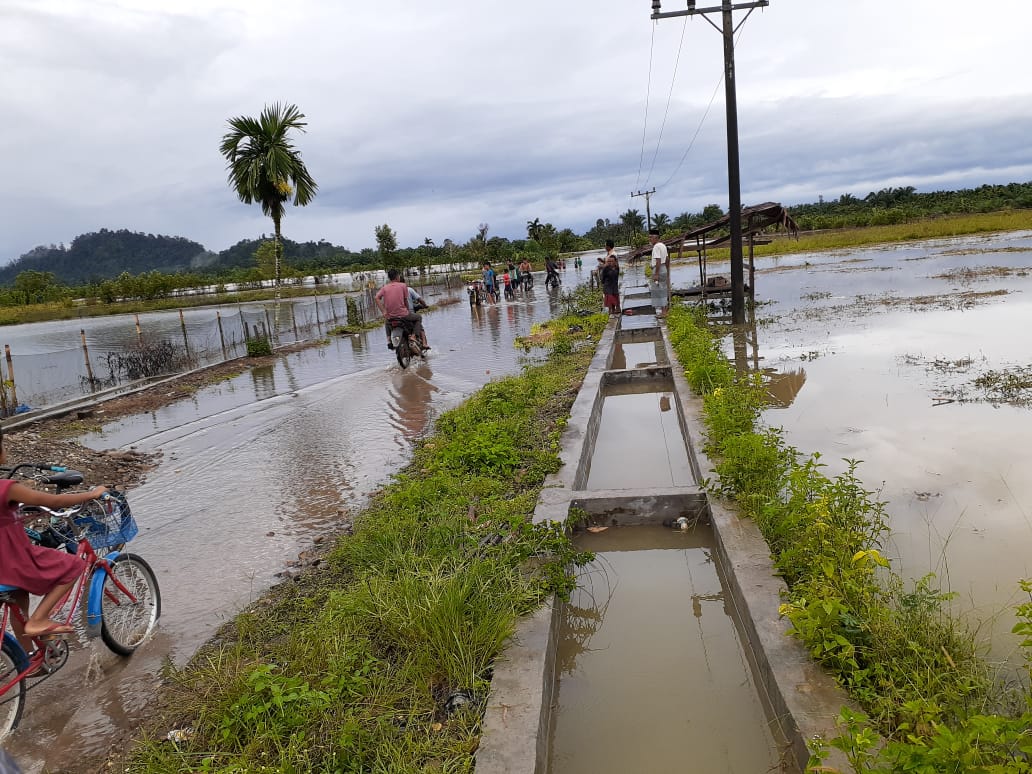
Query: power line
point(698, 129)
point(648, 93)
point(670, 96)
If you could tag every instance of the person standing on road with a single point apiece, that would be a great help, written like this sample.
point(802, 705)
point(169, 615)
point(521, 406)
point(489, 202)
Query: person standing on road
point(610, 276)
point(490, 283)
point(660, 285)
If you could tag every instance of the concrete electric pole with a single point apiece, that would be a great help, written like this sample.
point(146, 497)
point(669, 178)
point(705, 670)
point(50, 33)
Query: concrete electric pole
point(734, 185)
point(648, 210)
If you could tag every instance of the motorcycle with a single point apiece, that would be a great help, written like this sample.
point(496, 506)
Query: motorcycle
point(405, 341)
point(552, 279)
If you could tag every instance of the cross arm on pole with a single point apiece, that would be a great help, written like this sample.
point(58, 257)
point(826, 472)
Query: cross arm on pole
point(713, 9)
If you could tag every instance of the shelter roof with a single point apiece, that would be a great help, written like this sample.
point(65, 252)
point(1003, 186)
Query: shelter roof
point(755, 219)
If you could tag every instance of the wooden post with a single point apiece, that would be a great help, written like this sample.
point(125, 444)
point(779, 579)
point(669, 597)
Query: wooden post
point(333, 309)
point(293, 321)
point(139, 333)
point(243, 324)
point(182, 324)
point(318, 322)
point(222, 336)
point(86, 357)
point(268, 326)
point(752, 270)
point(10, 377)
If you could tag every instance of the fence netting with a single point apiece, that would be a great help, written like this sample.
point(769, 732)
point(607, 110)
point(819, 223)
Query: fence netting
point(128, 349)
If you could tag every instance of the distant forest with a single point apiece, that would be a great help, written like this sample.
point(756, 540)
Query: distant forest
point(96, 259)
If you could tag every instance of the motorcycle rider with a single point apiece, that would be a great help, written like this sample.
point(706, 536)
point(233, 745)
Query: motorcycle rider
point(551, 270)
point(394, 300)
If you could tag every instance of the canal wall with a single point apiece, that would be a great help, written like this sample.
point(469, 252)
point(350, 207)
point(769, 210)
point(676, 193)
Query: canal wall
point(801, 701)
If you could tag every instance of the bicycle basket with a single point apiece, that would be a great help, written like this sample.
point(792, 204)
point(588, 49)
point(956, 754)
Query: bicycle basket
point(108, 522)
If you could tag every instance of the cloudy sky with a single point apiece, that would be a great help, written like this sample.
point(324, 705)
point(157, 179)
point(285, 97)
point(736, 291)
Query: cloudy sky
point(436, 117)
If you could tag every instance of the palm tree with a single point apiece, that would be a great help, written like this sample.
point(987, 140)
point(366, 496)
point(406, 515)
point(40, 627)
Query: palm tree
point(633, 220)
point(265, 167)
point(534, 228)
point(661, 221)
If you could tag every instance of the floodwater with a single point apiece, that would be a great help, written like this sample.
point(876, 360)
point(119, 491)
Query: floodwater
point(652, 674)
point(627, 354)
point(869, 348)
point(254, 470)
point(639, 443)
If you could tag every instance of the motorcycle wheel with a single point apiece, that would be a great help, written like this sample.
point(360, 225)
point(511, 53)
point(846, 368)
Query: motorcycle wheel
point(403, 353)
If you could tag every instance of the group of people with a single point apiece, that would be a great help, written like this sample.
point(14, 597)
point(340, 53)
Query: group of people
point(608, 275)
point(398, 301)
point(515, 276)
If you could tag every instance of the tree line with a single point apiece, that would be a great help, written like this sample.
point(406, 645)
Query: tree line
point(265, 168)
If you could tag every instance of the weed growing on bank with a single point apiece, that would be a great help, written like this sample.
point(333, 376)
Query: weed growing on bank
point(381, 659)
point(911, 666)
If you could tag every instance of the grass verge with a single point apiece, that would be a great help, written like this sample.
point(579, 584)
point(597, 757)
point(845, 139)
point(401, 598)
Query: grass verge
point(380, 660)
point(912, 667)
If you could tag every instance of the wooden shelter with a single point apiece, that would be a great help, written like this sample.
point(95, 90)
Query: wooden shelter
point(755, 221)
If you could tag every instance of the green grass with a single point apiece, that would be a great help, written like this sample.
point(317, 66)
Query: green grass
point(912, 667)
point(350, 668)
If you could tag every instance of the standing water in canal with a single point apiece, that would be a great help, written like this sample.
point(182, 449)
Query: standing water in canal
point(652, 674)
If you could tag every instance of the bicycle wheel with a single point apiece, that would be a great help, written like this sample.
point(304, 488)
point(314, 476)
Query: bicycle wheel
point(125, 624)
point(13, 701)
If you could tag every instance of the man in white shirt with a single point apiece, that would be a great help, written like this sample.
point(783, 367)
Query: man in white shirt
point(660, 285)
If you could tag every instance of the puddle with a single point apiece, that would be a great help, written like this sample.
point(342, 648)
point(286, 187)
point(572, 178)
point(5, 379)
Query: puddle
point(639, 443)
point(884, 351)
point(652, 676)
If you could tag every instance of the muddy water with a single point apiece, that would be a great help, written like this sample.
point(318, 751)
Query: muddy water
point(628, 354)
point(639, 442)
point(868, 345)
point(652, 675)
point(256, 469)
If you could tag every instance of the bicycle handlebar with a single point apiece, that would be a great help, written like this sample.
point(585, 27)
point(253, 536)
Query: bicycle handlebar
point(41, 466)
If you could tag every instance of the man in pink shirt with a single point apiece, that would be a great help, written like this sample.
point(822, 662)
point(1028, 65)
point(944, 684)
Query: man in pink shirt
point(393, 302)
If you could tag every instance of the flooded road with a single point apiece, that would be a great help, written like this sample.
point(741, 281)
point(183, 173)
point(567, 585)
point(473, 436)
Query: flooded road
point(256, 469)
point(871, 350)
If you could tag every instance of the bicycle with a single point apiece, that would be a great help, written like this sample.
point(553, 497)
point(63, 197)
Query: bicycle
point(123, 602)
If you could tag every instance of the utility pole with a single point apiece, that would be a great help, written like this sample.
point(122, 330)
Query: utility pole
point(648, 210)
point(734, 185)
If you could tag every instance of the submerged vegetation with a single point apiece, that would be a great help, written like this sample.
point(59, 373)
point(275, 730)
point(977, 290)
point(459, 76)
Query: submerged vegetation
point(911, 666)
point(380, 659)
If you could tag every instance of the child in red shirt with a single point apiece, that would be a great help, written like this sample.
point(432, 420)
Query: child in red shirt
point(46, 572)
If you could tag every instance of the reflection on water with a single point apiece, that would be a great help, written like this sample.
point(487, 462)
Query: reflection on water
point(652, 674)
point(783, 386)
point(952, 474)
point(639, 443)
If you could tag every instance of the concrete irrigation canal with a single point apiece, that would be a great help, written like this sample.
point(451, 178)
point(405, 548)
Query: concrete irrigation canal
point(669, 656)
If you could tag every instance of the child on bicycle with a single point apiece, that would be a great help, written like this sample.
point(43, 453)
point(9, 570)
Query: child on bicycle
point(45, 572)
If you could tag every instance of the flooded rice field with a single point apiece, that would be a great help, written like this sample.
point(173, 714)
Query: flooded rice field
point(915, 360)
point(255, 470)
point(652, 675)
